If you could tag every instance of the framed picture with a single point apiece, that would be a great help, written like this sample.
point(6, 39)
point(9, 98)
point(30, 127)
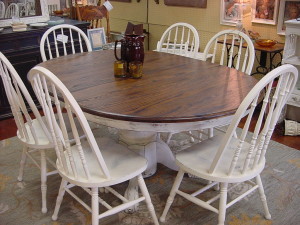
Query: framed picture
point(265, 11)
point(121, 0)
point(190, 3)
point(230, 11)
point(289, 9)
point(97, 38)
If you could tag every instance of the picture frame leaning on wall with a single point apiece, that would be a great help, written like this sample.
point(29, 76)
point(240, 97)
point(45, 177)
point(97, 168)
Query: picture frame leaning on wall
point(97, 38)
point(288, 10)
point(265, 11)
point(230, 11)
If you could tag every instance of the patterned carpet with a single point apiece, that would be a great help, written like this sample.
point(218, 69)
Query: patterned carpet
point(20, 202)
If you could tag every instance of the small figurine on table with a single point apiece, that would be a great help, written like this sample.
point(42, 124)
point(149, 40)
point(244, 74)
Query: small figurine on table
point(253, 35)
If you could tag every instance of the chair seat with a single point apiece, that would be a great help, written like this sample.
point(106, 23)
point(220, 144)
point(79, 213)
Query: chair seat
point(198, 158)
point(122, 163)
point(41, 136)
point(199, 55)
point(43, 141)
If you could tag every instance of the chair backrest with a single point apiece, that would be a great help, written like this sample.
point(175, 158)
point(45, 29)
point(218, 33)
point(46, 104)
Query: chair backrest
point(92, 2)
point(27, 8)
point(22, 9)
point(181, 39)
point(63, 39)
point(94, 15)
point(12, 10)
point(17, 95)
point(240, 57)
point(2, 9)
point(53, 5)
point(248, 152)
point(47, 86)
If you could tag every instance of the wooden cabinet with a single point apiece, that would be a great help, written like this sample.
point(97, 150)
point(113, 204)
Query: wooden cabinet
point(291, 55)
point(23, 50)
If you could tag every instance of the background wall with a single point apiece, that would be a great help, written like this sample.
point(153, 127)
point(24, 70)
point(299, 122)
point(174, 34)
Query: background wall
point(157, 17)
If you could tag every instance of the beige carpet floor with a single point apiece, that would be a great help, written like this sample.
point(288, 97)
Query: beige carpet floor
point(20, 202)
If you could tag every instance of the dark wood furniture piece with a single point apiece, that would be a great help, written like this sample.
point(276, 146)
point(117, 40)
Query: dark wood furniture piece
point(23, 50)
point(266, 60)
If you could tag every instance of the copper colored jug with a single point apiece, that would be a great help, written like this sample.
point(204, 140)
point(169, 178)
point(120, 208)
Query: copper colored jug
point(132, 48)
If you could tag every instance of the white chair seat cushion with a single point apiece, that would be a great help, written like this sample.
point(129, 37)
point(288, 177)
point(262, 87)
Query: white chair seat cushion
point(122, 163)
point(198, 158)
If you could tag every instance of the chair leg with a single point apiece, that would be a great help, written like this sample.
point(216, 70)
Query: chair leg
point(191, 138)
point(59, 199)
point(263, 197)
point(95, 206)
point(22, 163)
point(210, 132)
point(172, 194)
point(169, 138)
point(145, 192)
point(44, 181)
point(223, 203)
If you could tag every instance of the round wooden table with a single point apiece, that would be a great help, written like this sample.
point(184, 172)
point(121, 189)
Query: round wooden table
point(175, 94)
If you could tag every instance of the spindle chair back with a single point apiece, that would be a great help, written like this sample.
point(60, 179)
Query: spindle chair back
point(180, 39)
point(32, 129)
point(63, 39)
point(94, 15)
point(91, 163)
point(28, 7)
point(231, 158)
point(2, 9)
point(231, 48)
point(12, 11)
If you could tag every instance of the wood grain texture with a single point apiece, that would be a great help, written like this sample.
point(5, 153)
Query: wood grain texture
point(173, 88)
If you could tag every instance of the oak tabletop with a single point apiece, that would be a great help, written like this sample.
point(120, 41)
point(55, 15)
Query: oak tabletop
point(173, 88)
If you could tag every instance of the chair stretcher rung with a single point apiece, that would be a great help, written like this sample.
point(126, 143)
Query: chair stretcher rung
point(241, 196)
point(121, 197)
point(197, 201)
point(204, 189)
point(33, 160)
point(218, 196)
point(100, 200)
point(120, 207)
point(79, 200)
point(52, 172)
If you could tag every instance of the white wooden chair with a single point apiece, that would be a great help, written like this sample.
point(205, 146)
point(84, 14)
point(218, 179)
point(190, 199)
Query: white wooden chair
point(28, 9)
point(230, 159)
point(53, 5)
point(226, 48)
point(223, 52)
point(22, 9)
point(92, 163)
point(180, 39)
point(63, 39)
point(12, 11)
point(2, 10)
point(32, 133)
